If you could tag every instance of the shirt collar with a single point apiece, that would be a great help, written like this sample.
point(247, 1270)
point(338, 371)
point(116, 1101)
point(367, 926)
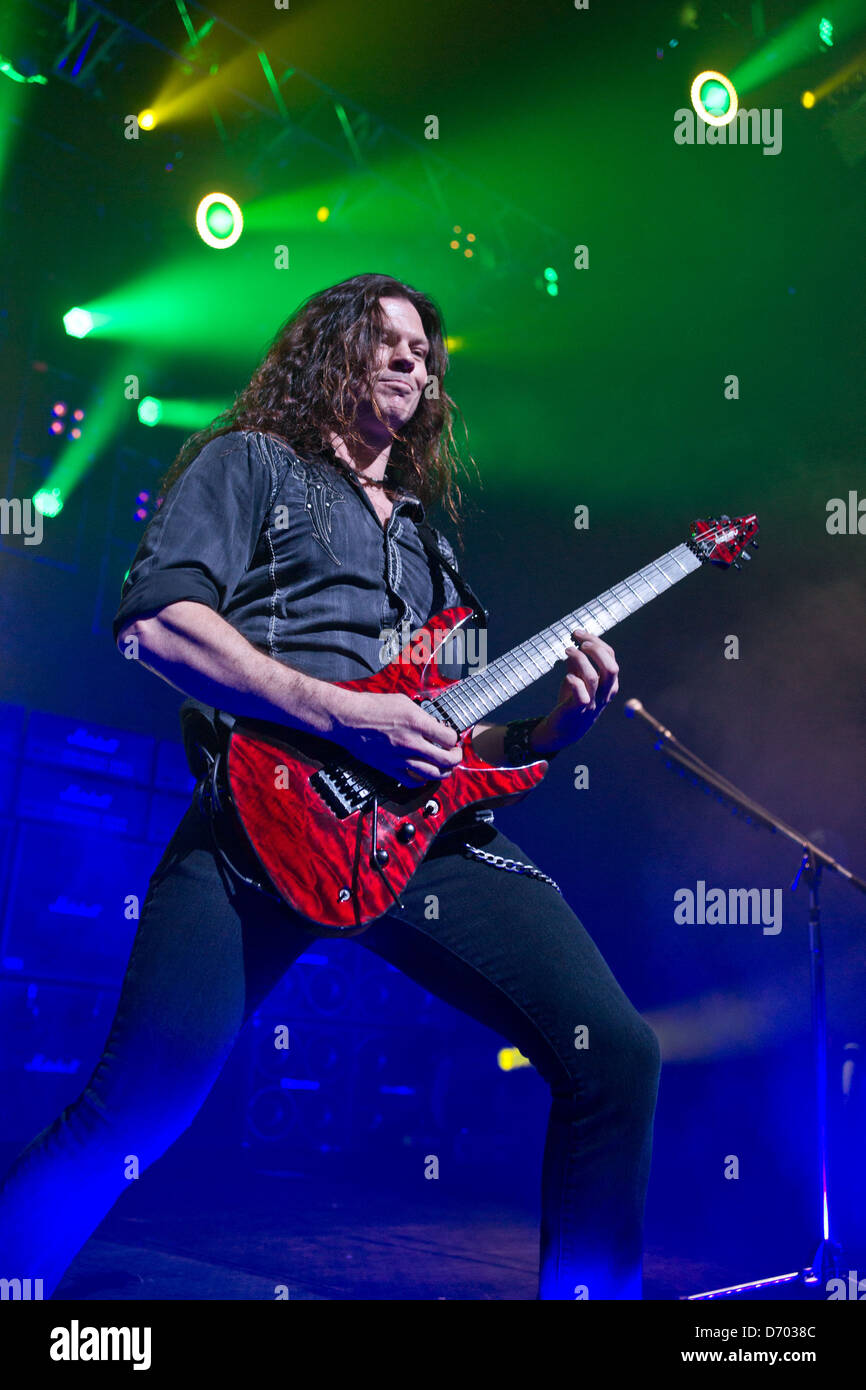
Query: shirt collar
point(408, 501)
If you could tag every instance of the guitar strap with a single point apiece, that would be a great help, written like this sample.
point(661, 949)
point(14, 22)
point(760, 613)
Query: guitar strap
point(428, 539)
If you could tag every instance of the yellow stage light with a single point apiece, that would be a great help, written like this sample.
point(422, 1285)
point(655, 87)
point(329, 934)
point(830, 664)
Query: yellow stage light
point(323, 214)
point(508, 1058)
point(808, 100)
point(147, 119)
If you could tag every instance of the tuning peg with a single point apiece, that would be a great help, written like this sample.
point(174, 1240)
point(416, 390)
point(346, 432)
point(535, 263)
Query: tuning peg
point(755, 545)
point(736, 566)
point(745, 554)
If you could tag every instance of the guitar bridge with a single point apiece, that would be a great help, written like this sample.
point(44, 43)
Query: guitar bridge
point(343, 789)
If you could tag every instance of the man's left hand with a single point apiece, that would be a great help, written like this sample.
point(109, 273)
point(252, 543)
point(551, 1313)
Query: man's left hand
point(590, 683)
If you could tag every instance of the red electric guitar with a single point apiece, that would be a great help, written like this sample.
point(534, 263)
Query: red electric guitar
point(340, 840)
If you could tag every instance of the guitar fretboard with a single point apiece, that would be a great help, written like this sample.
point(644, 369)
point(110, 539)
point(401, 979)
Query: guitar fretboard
point(471, 699)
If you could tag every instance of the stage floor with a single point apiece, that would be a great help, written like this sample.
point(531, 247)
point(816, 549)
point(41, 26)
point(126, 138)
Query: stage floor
point(237, 1235)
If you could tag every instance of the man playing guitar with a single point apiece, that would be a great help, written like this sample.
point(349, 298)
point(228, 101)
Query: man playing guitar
point(288, 539)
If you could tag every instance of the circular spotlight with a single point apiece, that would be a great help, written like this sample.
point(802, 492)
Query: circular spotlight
point(808, 100)
point(219, 220)
point(48, 502)
point(323, 214)
point(714, 98)
point(150, 410)
point(78, 322)
point(147, 119)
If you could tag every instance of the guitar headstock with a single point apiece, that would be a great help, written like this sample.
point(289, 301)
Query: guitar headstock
point(722, 542)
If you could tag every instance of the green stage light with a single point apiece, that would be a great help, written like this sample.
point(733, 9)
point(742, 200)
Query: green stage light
point(714, 98)
point(795, 44)
point(78, 322)
point(150, 410)
point(219, 221)
point(550, 274)
point(180, 414)
point(49, 503)
point(551, 280)
point(8, 69)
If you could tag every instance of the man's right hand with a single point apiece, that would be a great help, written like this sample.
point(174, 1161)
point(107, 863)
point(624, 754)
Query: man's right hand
point(394, 735)
point(195, 650)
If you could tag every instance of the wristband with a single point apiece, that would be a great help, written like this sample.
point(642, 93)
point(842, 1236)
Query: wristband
point(516, 745)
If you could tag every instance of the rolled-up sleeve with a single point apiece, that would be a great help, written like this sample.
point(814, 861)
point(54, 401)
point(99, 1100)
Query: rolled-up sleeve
point(204, 535)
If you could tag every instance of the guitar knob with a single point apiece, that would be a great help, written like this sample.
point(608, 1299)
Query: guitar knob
point(406, 833)
point(382, 856)
point(431, 808)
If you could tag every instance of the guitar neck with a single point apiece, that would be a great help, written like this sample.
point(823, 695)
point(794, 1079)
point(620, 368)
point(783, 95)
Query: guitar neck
point(471, 699)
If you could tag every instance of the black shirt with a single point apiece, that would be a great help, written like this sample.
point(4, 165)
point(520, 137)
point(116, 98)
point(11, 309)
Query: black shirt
point(290, 551)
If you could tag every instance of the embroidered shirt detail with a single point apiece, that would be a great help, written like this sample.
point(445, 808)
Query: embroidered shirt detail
point(320, 496)
point(274, 453)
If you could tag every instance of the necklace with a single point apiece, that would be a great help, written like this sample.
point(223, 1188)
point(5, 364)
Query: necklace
point(387, 487)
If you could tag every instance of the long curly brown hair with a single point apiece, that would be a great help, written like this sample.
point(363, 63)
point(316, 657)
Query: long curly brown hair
point(321, 361)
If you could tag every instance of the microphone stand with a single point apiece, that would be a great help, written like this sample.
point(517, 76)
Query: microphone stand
point(827, 1259)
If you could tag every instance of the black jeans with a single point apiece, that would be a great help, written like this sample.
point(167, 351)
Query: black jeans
point(505, 948)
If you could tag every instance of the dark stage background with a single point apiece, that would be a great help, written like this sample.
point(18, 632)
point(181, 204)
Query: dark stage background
point(555, 130)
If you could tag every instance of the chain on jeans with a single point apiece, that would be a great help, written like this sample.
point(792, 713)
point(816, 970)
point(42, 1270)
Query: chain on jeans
point(513, 866)
point(209, 800)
